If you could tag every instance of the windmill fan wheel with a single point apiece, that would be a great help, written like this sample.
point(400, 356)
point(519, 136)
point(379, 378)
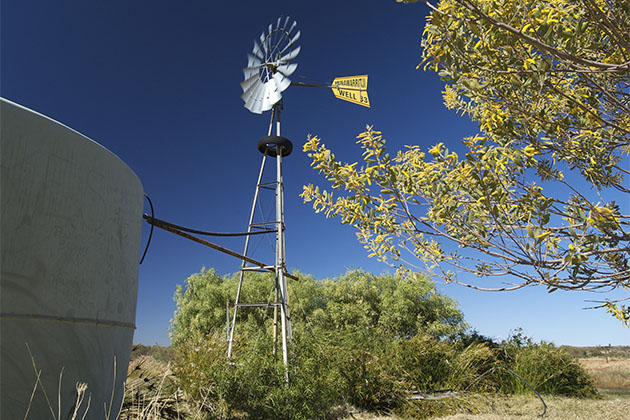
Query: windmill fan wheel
point(269, 65)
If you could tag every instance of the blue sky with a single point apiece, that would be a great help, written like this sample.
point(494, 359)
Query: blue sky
point(157, 83)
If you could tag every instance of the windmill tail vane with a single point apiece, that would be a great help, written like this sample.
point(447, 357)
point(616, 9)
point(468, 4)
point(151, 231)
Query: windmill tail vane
point(349, 88)
point(272, 62)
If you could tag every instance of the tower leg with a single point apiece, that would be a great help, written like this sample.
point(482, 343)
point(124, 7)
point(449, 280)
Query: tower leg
point(280, 284)
point(280, 253)
point(242, 273)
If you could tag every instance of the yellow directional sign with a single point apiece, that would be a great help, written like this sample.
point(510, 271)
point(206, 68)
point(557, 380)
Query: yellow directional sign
point(352, 89)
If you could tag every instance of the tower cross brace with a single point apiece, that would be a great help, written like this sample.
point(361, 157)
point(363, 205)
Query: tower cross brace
point(278, 147)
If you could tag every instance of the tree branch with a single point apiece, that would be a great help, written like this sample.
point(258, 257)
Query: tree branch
point(617, 68)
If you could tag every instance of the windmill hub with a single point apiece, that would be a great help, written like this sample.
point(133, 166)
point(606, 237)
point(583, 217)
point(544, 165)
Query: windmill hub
point(270, 145)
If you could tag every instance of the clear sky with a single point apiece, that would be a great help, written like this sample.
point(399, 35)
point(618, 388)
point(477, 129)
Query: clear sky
point(157, 83)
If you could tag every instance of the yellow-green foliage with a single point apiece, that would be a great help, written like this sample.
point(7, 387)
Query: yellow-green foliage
point(547, 82)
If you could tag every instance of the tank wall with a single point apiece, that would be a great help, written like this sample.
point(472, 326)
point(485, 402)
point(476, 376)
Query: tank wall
point(70, 234)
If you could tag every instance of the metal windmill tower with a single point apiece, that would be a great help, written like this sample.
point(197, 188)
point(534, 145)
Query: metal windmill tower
point(267, 75)
point(269, 66)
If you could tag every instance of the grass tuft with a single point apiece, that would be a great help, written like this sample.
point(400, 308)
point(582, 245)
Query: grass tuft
point(151, 392)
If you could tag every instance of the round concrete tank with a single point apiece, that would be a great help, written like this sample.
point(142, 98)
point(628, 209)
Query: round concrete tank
point(70, 238)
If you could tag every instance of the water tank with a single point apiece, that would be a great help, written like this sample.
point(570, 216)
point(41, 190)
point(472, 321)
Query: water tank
point(70, 237)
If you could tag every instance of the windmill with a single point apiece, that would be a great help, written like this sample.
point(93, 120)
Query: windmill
point(269, 66)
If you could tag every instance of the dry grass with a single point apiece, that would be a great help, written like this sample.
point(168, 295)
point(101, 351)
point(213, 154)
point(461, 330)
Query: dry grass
point(558, 408)
point(151, 394)
point(522, 408)
point(611, 377)
point(371, 416)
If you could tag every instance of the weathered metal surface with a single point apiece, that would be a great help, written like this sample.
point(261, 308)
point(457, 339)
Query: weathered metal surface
point(71, 221)
point(169, 227)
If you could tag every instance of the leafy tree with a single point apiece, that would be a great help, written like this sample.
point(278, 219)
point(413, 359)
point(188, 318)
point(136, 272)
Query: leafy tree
point(354, 301)
point(201, 305)
point(393, 307)
point(534, 196)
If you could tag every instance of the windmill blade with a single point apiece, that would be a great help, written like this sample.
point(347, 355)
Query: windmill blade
point(253, 61)
point(257, 51)
point(256, 106)
point(291, 55)
point(249, 100)
point(286, 21)
point(292, 26)
point(248, 83)
point(278, 23)
point(268, 103)
point(271, 95)
point(262, 42)
point(250, 71)
point(287, 69)
point(250, 93)
point(253, 99)
point(290, 44)
point(281, 81)
point(295, 38)
point(270, 86)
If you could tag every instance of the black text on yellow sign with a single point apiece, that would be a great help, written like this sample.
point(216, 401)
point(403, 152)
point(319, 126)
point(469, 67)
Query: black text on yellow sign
point(352, 89)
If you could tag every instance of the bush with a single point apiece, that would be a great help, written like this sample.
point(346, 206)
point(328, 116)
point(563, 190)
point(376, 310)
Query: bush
point(159, 353)
point(151, 391)
point(370, 341)
point(393, 306)
point(366, 362)
point(547, 369)
point(254, 384)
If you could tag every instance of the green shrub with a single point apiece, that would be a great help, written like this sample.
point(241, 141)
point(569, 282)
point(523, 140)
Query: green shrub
point(254, 384)
point(159, 353)
point(469, 368)
point(393, 306)
point(425, 363)
point(548, 369)
point(369, 341)
point(367, 366)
